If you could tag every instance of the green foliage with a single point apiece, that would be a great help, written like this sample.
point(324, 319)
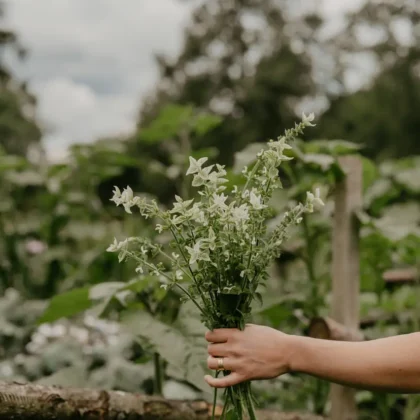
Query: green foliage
point(67, 304)
point(19, 132)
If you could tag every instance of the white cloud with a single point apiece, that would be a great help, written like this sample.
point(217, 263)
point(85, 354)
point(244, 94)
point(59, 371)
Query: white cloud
point(90, 62)
point(73, 112)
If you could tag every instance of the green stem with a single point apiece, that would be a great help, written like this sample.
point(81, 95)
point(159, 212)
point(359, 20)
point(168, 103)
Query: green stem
point(176, 264)
point(169, 278)
point(158, 385)
point(249, 403)
point(251, 175)
point(189, 267)
point(216, 374)
point(185, 151)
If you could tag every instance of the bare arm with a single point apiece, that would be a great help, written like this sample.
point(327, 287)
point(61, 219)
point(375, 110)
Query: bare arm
point(388, 364)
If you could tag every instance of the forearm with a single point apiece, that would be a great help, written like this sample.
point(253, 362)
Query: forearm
point(388, 364)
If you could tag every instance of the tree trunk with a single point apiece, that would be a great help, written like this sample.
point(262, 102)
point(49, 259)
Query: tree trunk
point(31, 401)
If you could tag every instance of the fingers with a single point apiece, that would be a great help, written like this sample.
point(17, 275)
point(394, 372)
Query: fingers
point(219, 349)
point(220, 335)
point(213, 363)
point(225, 381)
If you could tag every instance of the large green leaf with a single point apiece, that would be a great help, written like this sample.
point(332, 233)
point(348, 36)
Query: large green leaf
point(379, 194)
point(67, 304)
point(105, 290)
point(400, 220)
point(10, 162)
point(186, 356)
point(169, 123)
point(73, 376)
point(370, 172)
point(332, 147)
point(323, 161)
point(409, 179)
point(204, 123)
point(25, 178)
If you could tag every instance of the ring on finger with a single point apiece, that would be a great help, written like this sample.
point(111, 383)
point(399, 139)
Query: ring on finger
point(220, 364)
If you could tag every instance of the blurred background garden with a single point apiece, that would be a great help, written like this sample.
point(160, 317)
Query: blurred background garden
point(101, 93)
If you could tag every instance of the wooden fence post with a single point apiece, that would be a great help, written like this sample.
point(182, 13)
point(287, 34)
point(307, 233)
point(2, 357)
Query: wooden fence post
point(346, 271)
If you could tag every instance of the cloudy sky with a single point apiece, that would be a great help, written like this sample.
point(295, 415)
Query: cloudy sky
point(91, 61)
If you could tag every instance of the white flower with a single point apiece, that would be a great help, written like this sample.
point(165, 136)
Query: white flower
point(195, 165)
point(211, 240)
point(196, 214)
point(164, 286)
point(240, 214)
point(139, 269)
point(118, 246)
point(221, 170)
point(314, 199)
point(143, 250)
point(307, 119)
point(180, 206)
point(201, 218)
point(127, 195)
point(196, 254)
point(279, 147)
point(198, 180)
point(159, 228)
point(179, 275)
point(175, 256)
point(255, 201)
point(219, 202)
point(126, 198)
point(215, 178)
point(116, 198)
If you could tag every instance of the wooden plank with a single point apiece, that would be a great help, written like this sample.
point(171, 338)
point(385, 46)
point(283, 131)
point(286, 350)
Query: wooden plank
point(346, 271)
point(401, 275)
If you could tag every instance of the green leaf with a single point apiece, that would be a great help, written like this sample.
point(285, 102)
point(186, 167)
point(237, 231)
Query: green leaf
point(204, 123)
point(332, 147)
point(323, 161)
point(399, 221)
point(25, 178)
point(169, 123)
point(9, 162)
point(379, 194)
point(370, 172)
point(73, 376)
point(67, 304)
point(185, 354)
point(409, 179)
point(105, 290)
point(210, 152)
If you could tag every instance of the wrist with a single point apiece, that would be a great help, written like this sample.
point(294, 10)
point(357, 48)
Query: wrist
point(298, 353)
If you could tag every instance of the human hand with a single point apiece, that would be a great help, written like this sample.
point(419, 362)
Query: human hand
point(258, 352)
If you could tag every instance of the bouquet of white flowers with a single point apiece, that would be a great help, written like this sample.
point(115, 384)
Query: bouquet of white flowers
point(220, 249)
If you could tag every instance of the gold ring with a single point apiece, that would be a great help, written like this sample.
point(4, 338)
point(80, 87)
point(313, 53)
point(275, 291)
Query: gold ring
point(220, 364)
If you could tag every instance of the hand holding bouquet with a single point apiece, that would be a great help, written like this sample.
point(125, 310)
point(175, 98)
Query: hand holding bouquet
point(220, 248)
